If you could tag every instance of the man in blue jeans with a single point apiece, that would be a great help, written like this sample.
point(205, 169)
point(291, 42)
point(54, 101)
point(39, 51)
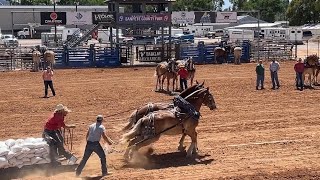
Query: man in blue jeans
point(95, 131)
point(274, 68)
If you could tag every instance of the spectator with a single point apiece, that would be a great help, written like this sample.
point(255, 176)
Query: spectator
point(299, 68)
point(260, 75)
point(274, 68)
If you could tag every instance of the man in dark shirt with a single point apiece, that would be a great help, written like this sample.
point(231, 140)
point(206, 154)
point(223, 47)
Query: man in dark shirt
point(260, 75)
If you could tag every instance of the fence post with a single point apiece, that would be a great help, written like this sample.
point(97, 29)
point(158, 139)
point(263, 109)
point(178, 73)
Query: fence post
point(177, 51)
point(65, 58)
point(201, 49)
point(92, 56)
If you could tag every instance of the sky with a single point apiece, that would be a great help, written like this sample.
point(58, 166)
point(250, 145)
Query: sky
point(226, 4)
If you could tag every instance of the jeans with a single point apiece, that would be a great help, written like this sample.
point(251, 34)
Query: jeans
point(260, 80)
point(183, 83)
point(55, 144)
point(46, 84)
point(299, 80)
point(274, 79)
point(93, 147)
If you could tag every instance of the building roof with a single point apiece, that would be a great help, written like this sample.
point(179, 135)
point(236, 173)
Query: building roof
point(51, 7)
point(255, 25)
point(310, 27)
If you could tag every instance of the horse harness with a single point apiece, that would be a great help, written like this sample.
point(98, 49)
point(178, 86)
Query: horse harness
point(182, 110)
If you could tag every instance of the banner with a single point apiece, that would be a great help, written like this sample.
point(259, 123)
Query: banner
point(226, 17)
point(205, 17)
point(183, 17)
point(51, 18)
point(150, 56)
point(102, 17)
point(143, 18)
point(79, 18)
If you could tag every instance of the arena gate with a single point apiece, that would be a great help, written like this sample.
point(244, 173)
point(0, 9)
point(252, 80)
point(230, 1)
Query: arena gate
point(87, 57)
point(204, 54)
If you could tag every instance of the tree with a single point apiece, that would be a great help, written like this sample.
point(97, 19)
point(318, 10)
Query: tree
point(198, 5)
point(302, 12)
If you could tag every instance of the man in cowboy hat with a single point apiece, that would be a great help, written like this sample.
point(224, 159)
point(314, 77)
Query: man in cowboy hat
point(52, 134)
point(94, 133)
point(183, 73)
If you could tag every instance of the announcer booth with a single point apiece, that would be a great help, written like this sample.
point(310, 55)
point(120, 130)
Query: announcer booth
point(141, 19)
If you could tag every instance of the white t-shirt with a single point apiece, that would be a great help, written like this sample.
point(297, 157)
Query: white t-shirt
point(95, 132)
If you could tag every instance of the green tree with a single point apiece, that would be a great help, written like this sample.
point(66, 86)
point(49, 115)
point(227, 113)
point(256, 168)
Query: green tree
point(301, 12)
point(197, 5)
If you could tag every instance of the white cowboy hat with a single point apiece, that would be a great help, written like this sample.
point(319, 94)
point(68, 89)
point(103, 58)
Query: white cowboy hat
point(61, 107)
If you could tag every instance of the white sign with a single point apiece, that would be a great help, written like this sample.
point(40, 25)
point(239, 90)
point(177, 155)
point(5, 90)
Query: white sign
point(79, 18)
point(182, 17)
point(226, 17)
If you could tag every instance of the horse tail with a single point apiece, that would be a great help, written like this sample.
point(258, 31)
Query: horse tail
point(132, 120)
point(133, 132)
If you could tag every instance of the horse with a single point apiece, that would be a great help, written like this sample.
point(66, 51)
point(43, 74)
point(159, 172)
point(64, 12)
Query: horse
point(237, 52)
point(166, 122)
point(165, 70)
point(36, 58)
point(49, 58)
point(150, 107)
point(310, 68)
point(220, 52)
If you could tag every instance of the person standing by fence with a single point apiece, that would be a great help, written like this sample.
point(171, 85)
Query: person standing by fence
point(260, 75)
point(47, 79)
point(299, 68)
point(274, 68)
point(94, 133)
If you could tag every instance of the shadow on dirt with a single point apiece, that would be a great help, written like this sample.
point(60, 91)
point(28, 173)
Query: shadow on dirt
point(174, 159)
point(92, 178)
point(43, 169)
point(170, 93)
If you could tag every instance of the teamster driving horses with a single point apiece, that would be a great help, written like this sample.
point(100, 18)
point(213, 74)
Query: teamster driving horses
point(53, 135)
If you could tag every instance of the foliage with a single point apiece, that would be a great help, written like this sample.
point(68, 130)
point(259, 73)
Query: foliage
point(198, 5)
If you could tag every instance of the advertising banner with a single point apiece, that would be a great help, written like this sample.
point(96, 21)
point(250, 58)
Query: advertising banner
point(51, 18)
point(102, 17)
point(79, 18)
point(143, 18)
point(205, 17)
point(226, 17)
point(183, 17)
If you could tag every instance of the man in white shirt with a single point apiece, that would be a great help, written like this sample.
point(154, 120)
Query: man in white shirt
point(95, 131)
point(274, 68)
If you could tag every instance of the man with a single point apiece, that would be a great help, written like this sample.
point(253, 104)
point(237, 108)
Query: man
point(94, 133)
point(183, 73)
point(52, 134)
point(260, 75)
point(274, 68)
point(299, 68)
point(47, 78)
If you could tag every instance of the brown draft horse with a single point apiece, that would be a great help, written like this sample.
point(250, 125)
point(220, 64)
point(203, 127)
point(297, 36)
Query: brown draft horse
point(150, 107)
point(310, 69)
point(166, 70)
point(165, 122)
point(220, 52)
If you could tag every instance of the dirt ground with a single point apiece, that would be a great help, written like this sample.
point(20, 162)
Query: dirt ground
point(266, 134)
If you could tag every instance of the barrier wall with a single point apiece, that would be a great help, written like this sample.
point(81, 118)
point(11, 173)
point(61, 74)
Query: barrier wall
point(204, 54)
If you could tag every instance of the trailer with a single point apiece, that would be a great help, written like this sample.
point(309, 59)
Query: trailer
point(293, 35)
point(239, 35)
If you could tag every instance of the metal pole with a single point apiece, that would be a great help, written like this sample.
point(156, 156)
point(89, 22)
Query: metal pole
point(55, 25)
point(12, 23)
point(258, 35)
point(318, 48)
point(77, 3)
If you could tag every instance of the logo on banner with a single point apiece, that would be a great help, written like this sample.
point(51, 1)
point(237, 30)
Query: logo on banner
point(79, 16)
point(53, 16)
point(205, 18)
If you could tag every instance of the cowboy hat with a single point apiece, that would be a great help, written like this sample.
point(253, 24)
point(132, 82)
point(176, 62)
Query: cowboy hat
point(99, 118)
point(181, 65)
point(61, 107)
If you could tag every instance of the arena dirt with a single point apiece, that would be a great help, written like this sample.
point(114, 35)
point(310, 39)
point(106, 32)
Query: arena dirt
point(253, 134)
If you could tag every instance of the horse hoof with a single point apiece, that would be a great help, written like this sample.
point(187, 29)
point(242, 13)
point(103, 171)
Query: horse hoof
point(181, 148)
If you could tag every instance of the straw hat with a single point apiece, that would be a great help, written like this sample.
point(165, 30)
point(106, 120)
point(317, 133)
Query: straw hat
point(181, 65)
point(61, 107)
